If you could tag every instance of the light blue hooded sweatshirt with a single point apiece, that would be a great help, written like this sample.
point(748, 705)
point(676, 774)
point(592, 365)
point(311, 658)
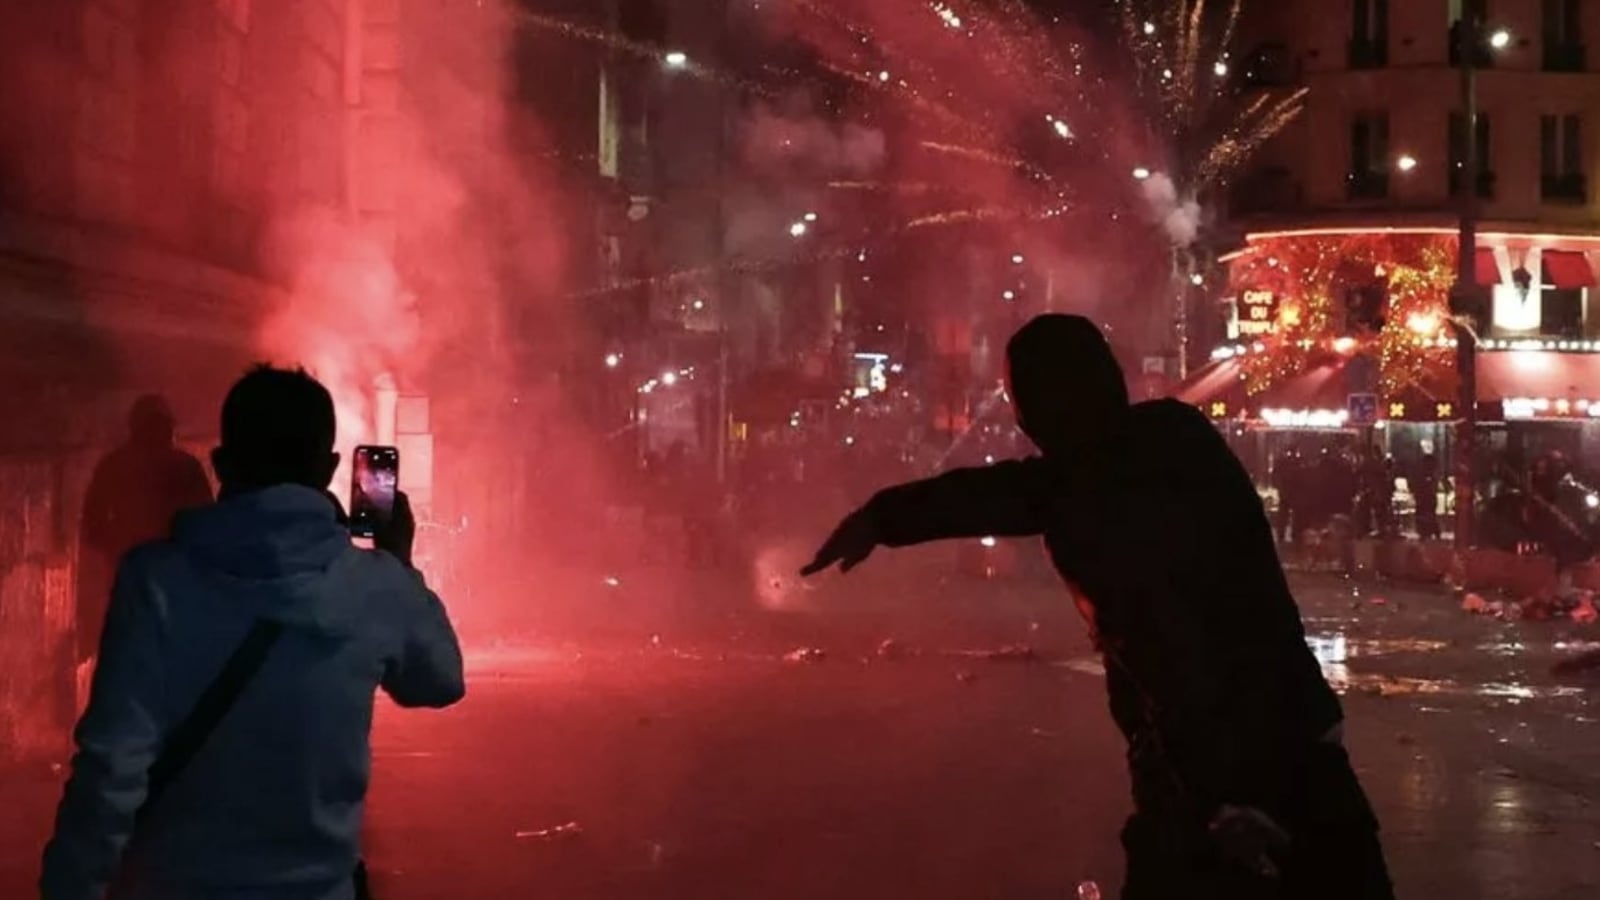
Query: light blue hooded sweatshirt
point(270, 807)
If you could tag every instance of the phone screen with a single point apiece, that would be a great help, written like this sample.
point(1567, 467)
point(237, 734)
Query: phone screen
point(375, 476)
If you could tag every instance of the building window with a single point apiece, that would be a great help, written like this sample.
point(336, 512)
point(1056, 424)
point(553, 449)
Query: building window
point(1473, 11)
point(1478, 9)
point(1369, 34)
point(1561, 312)
point(1561, 175)
point(1563, 36)
point(1458, 155)
point(1369, 157)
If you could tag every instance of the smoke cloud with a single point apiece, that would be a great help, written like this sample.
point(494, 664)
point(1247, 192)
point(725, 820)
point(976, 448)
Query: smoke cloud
point(1178, 217)
point(775, 143)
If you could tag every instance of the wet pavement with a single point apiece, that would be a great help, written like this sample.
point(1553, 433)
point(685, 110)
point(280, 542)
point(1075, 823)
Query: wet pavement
point(947, 738)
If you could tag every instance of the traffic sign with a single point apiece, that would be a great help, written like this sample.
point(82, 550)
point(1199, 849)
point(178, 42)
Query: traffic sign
point(1363, 409)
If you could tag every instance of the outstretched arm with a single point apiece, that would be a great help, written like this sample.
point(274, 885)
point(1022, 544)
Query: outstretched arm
point(1008, 499)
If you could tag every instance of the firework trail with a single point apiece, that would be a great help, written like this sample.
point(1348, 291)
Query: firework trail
point(1004, 117)
point(1184, 72)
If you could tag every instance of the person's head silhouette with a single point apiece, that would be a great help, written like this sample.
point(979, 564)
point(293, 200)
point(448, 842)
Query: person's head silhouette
point(277, 428)
point(1065, 383)
point(151, 422)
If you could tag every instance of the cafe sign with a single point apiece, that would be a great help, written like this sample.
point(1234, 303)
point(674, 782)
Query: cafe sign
point(1258, 313)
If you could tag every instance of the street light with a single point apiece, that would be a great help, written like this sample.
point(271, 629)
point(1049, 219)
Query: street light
point(1406, 162)
point(1468, 306)
point(1141, 173)
point(676, 59)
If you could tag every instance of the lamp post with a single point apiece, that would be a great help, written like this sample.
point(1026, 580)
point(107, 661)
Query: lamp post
point(1467, 301)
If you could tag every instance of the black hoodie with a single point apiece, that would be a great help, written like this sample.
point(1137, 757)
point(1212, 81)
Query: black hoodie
point(1159, 532)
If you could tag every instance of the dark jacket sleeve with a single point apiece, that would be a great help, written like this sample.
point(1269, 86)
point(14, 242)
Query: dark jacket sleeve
point(1224, 656)
point(427, 671)
point(118, 739)
point(1008, 499)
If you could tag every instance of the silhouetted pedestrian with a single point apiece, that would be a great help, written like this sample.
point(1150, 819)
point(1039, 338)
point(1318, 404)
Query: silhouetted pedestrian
point(1241, 786)
point(1289, 477)
point(1424, 483)
point(225, 750)
point(135, 493)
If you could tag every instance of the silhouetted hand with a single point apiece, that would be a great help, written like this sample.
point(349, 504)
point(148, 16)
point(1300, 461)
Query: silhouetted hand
point(397, 535)
point(849, 545)
point(1250, 838)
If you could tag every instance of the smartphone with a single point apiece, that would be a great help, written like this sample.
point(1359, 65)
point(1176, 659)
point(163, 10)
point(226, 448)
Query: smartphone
point(374, 478)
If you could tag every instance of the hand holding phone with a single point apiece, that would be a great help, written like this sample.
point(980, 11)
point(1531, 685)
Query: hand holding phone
point(400, 532)
point(374, 485)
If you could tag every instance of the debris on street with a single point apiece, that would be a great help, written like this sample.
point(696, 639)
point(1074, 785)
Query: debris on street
point(558, 832)
point(1013, 653)
point(1575, 606)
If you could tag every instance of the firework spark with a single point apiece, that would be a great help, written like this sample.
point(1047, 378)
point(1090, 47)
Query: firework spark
point(1015, 119)
point(1184, 70)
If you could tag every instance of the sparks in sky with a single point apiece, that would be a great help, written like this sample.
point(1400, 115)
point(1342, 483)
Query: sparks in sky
point(1018, 118)
point(1181, 52)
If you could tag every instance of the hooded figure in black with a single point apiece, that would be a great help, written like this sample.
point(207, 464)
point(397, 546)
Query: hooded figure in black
point(1241, 786)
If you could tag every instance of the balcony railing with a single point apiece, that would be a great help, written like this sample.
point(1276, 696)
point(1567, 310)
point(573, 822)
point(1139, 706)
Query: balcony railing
point(1368, 53)
point(1564, 58)
point(1367, 185)
point(1572, 187)
point(1486, 181)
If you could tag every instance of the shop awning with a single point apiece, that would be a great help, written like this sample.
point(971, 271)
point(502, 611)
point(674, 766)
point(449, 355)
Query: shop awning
point(1488, 271)
point(1566, 269)
point(1538, 375)
point(1322, 385)
point(1216, 388)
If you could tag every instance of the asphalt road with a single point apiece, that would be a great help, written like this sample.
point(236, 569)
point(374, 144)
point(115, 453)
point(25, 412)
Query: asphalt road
point(667, 751)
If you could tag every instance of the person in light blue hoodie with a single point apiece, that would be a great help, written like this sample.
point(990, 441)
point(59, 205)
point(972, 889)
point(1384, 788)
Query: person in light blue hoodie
point(270, 805)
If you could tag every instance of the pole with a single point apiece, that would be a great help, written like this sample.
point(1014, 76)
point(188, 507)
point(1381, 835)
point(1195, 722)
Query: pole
point(1182, 268)
point(1466, 307)
point(722, 398)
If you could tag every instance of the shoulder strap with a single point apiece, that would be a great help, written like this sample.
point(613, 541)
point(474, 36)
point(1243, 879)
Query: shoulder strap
point(212, 707)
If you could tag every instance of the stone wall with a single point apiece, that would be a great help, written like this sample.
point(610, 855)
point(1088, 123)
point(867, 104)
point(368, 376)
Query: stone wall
point(35, 606)
point(87, 324)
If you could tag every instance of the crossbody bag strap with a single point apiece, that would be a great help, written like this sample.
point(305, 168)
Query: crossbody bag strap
point(218, 698)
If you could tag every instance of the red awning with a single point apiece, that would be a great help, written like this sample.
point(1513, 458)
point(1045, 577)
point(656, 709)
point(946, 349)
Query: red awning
point(1488, 270)
point(1538, 375)
point(1209, 381)
point(1217, 388)
point(1321, 385)
point(1567, 270)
